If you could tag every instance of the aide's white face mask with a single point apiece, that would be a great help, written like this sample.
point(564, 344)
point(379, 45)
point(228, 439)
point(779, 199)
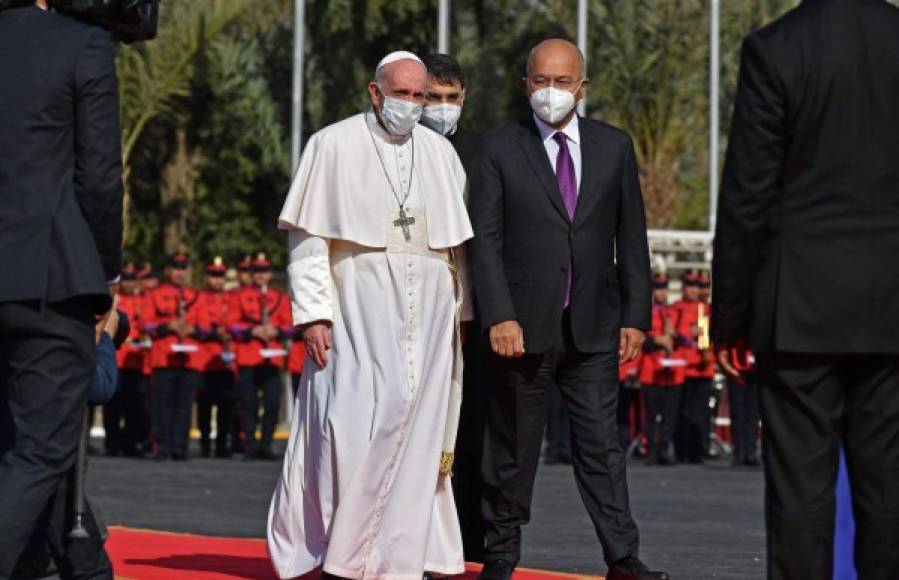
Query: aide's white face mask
point(399, 115)
point(442, 118)
point(552, 104)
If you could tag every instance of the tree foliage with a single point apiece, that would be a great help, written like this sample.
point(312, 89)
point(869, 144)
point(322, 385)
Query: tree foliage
point(206, 107)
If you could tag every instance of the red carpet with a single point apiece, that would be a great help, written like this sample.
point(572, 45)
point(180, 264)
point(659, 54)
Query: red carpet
point(149, 555)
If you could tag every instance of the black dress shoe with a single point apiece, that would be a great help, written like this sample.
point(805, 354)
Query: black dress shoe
point(631, 568)
point(497, 570)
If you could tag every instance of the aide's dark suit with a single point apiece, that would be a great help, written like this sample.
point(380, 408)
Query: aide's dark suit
point(60, 242)
point(805, 269)
point(524, 243)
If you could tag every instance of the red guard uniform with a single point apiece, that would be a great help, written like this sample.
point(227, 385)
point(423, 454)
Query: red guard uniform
point(125, 419)
point(251, 306)
point(695, 421)
point(175, 362)
point(161, 308)
point(662, 374)
point(218, 380)
point(246, 314)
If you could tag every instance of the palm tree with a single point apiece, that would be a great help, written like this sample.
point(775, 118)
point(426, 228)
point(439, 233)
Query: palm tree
point(155, 81)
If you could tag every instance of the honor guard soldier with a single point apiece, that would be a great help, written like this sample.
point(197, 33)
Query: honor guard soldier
point(218, 381)
point(245, 272)
point(125, 418)
point(259, 321)
point(148, 276)
point(244, 280)
point(691, 318)
point(172, 320)
point(662, 374)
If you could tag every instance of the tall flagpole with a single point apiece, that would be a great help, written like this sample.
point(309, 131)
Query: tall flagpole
point(443, 27)
point(582, 44)
point(714, 72)
point(299, 41)
point(296, 129)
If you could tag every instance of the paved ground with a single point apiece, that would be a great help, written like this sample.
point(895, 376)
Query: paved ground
point(696, 522)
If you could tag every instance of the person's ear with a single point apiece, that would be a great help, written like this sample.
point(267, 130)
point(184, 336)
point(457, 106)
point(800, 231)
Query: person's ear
point(374, 94)
point(462, 98)
point(582, 90)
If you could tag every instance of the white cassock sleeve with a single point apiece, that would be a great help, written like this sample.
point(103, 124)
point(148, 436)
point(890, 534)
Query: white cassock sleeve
point(309, 278)
point(461, 259)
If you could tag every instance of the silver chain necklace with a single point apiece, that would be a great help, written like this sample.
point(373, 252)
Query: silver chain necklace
point(404, 220)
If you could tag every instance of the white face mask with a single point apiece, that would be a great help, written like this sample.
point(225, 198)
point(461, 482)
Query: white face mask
point(442, 118)
point(552, 104)
point(399, 115)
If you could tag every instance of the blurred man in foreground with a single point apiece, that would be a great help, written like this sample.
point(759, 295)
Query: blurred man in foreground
point(60, 245)
point(804, 270)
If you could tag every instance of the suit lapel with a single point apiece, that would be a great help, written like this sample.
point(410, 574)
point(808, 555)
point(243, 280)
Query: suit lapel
point(535, 152)
point(588, 193)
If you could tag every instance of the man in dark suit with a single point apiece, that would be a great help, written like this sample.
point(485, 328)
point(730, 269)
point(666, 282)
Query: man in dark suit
point(555, 203)
point(60, 244)
point(804, 274)
point(444, 102)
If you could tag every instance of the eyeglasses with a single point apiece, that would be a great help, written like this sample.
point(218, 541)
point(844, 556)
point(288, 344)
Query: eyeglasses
point(567, 83)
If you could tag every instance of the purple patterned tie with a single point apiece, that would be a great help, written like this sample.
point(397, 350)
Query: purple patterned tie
point(567, 181)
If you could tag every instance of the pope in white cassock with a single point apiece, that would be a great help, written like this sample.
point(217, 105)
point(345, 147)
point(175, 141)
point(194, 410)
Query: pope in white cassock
point(376, 218)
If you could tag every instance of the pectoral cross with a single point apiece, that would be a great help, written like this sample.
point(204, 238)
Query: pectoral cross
point(404, 222)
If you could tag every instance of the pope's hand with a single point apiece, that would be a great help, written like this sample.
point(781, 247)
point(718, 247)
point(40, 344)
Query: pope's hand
point(631, 344)
point(317, 337)
point(507, 339)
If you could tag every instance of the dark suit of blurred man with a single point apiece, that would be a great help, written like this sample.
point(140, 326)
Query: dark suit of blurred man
point(60, 243)
point(805, 273)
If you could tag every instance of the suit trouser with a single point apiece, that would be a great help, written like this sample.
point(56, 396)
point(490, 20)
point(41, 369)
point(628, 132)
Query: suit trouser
point(217, 389)
point(744, 416)
point(662, 403)
point(129, 406)
point(251, 380)
point(810, 405)
point(516, 416)
point(558, 427)
point(693, 424)
point(173, 397)
point(47, 361)
point(76, 559)
point(470, 447)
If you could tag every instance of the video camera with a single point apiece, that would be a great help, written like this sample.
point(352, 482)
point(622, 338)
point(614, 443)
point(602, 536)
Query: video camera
point(128, 20)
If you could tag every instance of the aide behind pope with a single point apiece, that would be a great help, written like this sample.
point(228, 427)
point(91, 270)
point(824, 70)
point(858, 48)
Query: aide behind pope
point(561, 275)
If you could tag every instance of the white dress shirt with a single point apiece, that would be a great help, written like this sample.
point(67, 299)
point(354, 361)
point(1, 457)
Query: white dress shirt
point(573, 133)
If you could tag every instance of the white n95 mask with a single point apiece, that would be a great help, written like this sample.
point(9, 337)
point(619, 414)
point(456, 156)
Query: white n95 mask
point(400, 116)
point(442, 118)
point(552, 104)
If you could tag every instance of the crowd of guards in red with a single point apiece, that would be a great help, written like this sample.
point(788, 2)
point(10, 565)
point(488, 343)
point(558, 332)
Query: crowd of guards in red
point(227, 349)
